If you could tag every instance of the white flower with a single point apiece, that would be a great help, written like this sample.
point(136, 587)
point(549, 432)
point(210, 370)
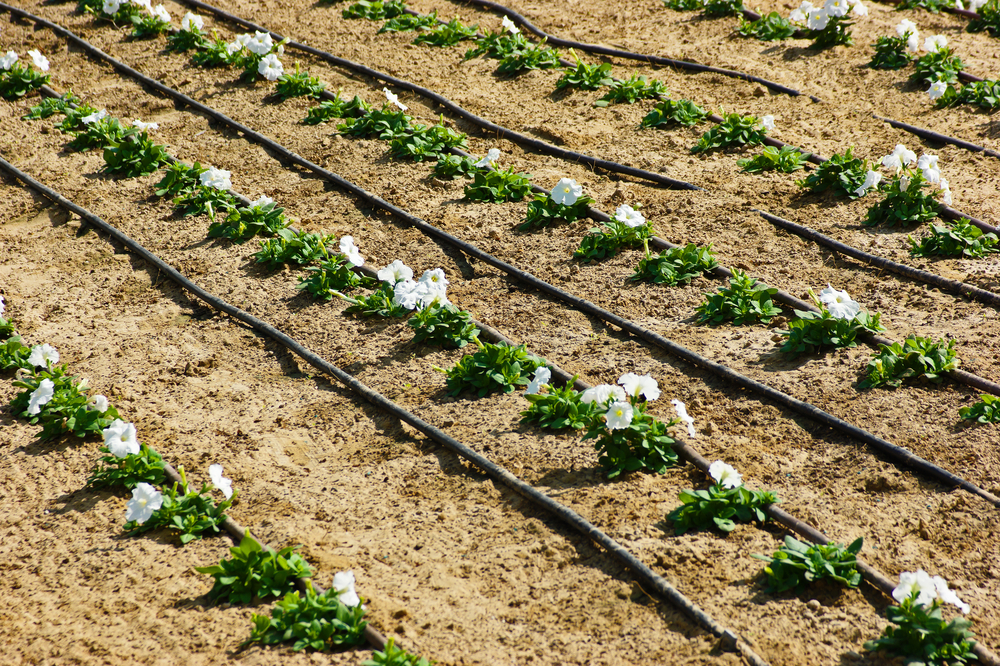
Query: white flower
point(217, 178)
point(802, 12)
point(120, 439)
point(906, 26)
point(959, 5)
point(260, 43)
point(602, 393)
point(913, 43)
point(94, 117)
point(839, 303)
point(405, 294)
point(343, 582)
point(919, 581)
point(635, 386)
point(904, 183)
point(98, 403)
point(859, 9)
point(818, 19)
point(219, 481)
point(7, 60)
point(41, 396)
point(619, 416)
point(945, 192)
point(1, 305)
point(111, 7)
point(542, 377)
point(280, 50)
point(145, 500)
point(948, 596)
point(510, 26)
point(144, 4)
point(395, 272)
point(937, 89)
point(41, 62)
point(161, 13)
point(492, 156)
point(683, 415)
point(566, 192)
point(42, 356)
point(394, 99)
point(836, 7)
point(928, 164)
point(270, 67)
point(899, 158)
point(872, 179)
point(725, 475)
point(351, 251)
point(974, 5)
point(192, 20)
point(768, 123)
point(630, 216)
point(934, 43)
point(145, 127)
point(263, 201)
point(435, 279)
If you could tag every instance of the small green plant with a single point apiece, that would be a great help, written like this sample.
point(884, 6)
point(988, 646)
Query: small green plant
point(941, 65)
point(50, 106)
point(386, 123)
point(426, 142)
point(7, 330)
point(890, 53)
point(394, 656)
point(684, 5)
point(544, 211)
point(837, 32)
point(723, 8)
point(769, 27)
point(13, 352)
point(494, 367)
point(409, 23)
point(987, 410)
point(585, 77)
point(984, 94)
point(786, 160)
point(314, 621)
point(843, 174)
point(146, 26)
point(333, 274)
point(933, 6)
point(254, 572)
point(633, 89)
point(675, 265)
point(498, 45)
point(183, 41)
point(135, 468)
point(600, 243)
point(796, 564)
point(443, 325)
point(638, 442)
point(447, 34)
point(19, 80)
point(906, 202)
point(989, 19)
point(744, 301)
point(674, 112)
point(68, 410)
point(454, 167)
point(73, 122)
point(204, 200)
point(498, 185)
point(299, 84)
point(293, 247)
point(135, 154)
point(100, 133)
point(956, 238)
point(533, 57)
point(329, 109)
point(189, 513)
point(262, 217)
point(179, 179)
point(379, 303)
point(375, 10)
point(734, 130)
point(559, 408)
point(812, 332)
point(724, 504)
point(916, 357)
point(213, 52)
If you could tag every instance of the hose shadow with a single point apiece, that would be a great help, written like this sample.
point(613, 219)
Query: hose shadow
point(83, 500)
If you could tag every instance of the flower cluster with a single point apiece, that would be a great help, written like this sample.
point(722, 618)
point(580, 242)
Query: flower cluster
point(900, 161)
point(565, 202)
point(926, 590)
point(828, 24)
point(256, 54)
point(17, 79)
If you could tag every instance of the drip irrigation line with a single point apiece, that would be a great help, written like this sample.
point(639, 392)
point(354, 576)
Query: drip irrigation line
point(938, 138)
point(900, 454)
point(495, 472)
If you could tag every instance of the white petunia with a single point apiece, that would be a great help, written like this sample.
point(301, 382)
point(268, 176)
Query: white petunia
point(41, 62)
point(906, 26)
point(491, 156)
point(629, 216)
point(217, 178)
point(405, 294)
point(260, 43)
point(94, 117)
point(435, 279)
point(145, 127)
point(510, 26)
point(767, 122)
point(270, 67)
point(945, 192)
point(859, 9)
point(872, 179)
point(395, 272)
point(351, 251)
point(913, 43)
point(98, 403)
point(145, 500)
point(635, 386)
point(948, 596)
point(343, 582)
point(111, 7)
point(144, 4)
point(919, 581)
point(974, 5)
point(261, 202)
point(725, 475)
point(602, 393)
point(7, 60)
point(683, 415)
point(42, 356)
point(394, 99)
point(818, 19)
point(928, 165)
point(937, 89)
point(904, 183)
point(619, 416)
point(899, 158)
point(161, 13)
point(120, 439)
point(802, 12)
point(192, 20)
point(1, 306)
point(219, 481)
point(566, 192)
point(934, 43)
point(542, 377)
point(836, 7)
point(839, 303)
point(41, 396)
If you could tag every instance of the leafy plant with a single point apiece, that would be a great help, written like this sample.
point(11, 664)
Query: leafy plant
point(375, 10)
point(494, 367)
point(409, 22)
point(942, 65)
point(179, 178)
point(632, 89)
point(796, 564)
point(135, 468)
point(543, 211)
point(744, 301)
point(641, 445)
point(498, 185)
point(13, 352)
point(394, 656)
point(184, 511)
point(73, 122)
point(906, 202)
point(769, 27)
point(984, 94)
point(844, 174)
point(719, 508)
point(922, 636)
point(454, 167)
point(987, 410)
point(723, 8)
point(19, 80)
point(443, 325)
point(385, 123)
point(836, 32)
point(812, 332)
point(916, 357)
point(212, 53)
point(51, 105)
point(890, 53)
point(146, 26)
point(68, 411)
point(7, 330)
point(989, 19)
point(299, 84)
point(447, 34)
point(333, 274)
point(684, 5)
point(674, 112)
point(98, 134)
point(379, 303)
point(786, 160)
point(244, 223)
point(734, 130)
point(329, 109)
point(135, 154)
point(585, 77)
point(533, 57)
point(293, 247)
point(254, 572)
point(957, 238)
point(430, 142)
point(676, 265)
point(498, 45)
point(183, 41)
point(314, 621)
point(600, 243)
point(559, 408)
point(933, 6)
point(204, 200)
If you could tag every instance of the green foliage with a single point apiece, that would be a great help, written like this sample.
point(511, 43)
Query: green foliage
point(498, 45)
point(600, 243)
point(377, 304)
point(984, 94)
point(744, 301)
point(426, 142)
point(147, 26)
point(315, 621)
point(73, 122)
point(987, 410)
point(494, 367)
point(375, 10)
point(723, 8)
point(989, 19)
point(957, 238)
point(536, 57)
point(559, 408)
point(409, 23)
point(674, 112)
point(254, 572)
point(443, 325)
point(178, 179)
point(189, 513)
point(299, 84)
point(7, 330)
point(769, 27)
point(293, 247)
point(19, 80)
point(212, 53)
point(329, 109)
point(837, 32)
point(135, 154)
point(51, 105)
point(916, 357)
point(844, 174)
point(642, 445)
point(544, 212)
point(135, 468)
point(242, 224)
point(812, 332)
point(890, 53)
point(684, 5)
point(202, 200)
point(455, 167)
point(386, 123)
point(498, 185)
point(786, 160)
point(921, 636)
point(734, 130)
point(676, 265)
point(585, 77)
point(183, 41)
point(933, 6)
point(98, 134)
point(942, 65)
point(797, 564)
point(447, 34)
point(632, 89)
point(333, 274)
point(13, 352)
point(394, 656)
point(719, 508)
point(67, 412)
point(904, 205)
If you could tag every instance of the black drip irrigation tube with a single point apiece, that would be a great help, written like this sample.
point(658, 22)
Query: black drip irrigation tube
point(928, 135)
point(495, 472)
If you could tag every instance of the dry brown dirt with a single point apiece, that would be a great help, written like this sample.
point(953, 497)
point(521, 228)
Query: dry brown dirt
point(460, 570)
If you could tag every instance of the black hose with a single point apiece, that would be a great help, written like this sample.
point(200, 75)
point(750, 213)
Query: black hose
point(939, 138)
point(664, 589)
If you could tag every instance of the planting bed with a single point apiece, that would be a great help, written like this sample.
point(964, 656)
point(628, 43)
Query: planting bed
point(457, 568)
